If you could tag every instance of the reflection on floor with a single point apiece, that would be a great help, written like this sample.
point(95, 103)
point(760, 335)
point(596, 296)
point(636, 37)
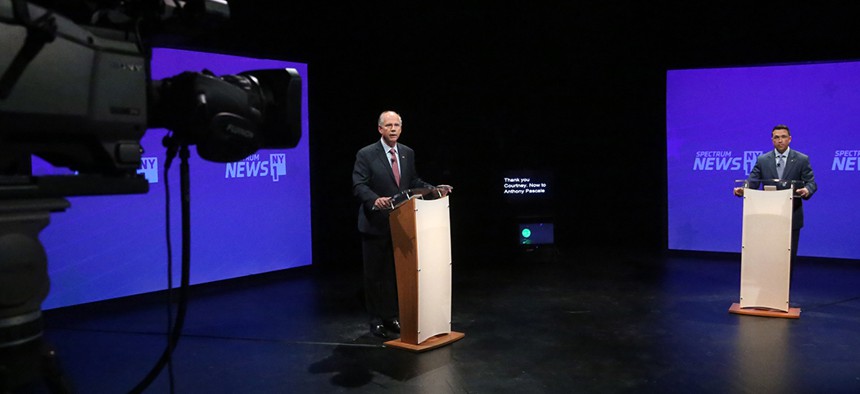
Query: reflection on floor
point(537, 322)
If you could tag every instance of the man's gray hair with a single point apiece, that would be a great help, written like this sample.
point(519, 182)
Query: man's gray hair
point(379, 120)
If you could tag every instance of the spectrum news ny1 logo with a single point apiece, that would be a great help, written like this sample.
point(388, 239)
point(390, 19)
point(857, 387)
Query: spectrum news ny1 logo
point(250, 167)
point(721, 160)
point(843, 160)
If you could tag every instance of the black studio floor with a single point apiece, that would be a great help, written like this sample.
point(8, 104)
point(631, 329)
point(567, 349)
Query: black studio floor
point(544, 322)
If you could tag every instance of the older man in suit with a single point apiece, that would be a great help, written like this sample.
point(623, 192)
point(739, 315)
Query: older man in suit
point(785, 164)
point(383, 169)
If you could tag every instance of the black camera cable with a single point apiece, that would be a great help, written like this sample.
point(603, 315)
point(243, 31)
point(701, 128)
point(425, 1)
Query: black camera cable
point(174, 328)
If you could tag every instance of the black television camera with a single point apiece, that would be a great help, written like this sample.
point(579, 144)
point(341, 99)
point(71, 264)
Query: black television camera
point(81, 97)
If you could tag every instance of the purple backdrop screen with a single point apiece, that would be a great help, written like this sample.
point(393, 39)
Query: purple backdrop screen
point(248, 217)
point(719, 120)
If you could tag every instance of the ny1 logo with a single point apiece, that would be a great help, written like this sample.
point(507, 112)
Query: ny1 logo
point(149, 169)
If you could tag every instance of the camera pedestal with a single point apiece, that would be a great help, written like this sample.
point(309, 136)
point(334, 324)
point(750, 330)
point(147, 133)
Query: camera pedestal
point(24, 283)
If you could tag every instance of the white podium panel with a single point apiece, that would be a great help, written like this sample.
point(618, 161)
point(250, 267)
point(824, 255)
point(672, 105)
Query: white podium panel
point(766, 250)
point(434, 268)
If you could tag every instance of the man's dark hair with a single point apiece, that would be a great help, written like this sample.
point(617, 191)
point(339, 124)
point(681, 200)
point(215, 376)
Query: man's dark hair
point(780, 127)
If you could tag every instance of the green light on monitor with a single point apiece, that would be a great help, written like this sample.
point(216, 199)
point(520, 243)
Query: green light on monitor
point(526, 233)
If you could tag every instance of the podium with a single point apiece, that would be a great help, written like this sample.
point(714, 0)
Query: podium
point(421, 234)
point(766, 253)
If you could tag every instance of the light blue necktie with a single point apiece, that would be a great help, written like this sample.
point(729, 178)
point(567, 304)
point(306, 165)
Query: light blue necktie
point(780, 165)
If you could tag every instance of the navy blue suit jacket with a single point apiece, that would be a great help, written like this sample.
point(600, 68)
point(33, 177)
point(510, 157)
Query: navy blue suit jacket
point(797, 168)
point(372, 178)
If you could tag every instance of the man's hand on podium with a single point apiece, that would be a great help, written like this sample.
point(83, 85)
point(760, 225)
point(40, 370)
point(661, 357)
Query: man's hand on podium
point(382, 203)
point(802, 192)
point(444, 190)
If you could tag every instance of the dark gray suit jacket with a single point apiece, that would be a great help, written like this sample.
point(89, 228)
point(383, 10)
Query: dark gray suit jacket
point(797, 168)
point(372, 178)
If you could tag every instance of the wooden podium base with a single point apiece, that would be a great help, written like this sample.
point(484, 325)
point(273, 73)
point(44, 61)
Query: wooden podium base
point(429, 344)
point(793, 313)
